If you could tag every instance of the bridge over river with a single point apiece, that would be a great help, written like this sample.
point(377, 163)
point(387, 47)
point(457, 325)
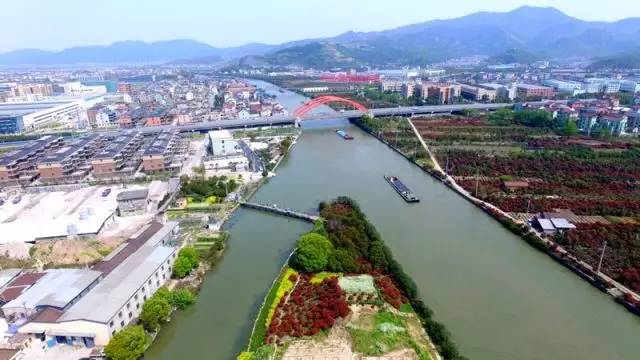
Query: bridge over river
point(274, 209)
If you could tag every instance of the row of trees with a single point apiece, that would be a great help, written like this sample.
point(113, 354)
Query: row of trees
point(130, 342)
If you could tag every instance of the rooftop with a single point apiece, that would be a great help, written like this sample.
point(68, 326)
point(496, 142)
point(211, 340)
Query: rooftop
point(133, 195)
point(561, 223)
point(7, 275)
point(57, 288)
point(119, 255)
point(119, 286)
point(27, 149)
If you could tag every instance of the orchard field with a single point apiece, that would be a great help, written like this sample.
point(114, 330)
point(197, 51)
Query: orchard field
point(530, 165)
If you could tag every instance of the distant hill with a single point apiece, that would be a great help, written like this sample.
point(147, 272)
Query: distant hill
point(545, 32)
point(629, 60)
point(513, 56)
point(130, 52)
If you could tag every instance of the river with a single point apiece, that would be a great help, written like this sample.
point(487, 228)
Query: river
point(500, 298)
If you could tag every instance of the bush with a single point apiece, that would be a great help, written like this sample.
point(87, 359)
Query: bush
point(181, 268)
point(182, 298)
point(127, 344)
point(312, 253)
point(155, 311)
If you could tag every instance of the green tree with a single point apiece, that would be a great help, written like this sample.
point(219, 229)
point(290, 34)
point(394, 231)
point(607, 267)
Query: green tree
point(155, 311)
point(534, 118)
point(341, 260)
point(285, 145)
point(377, 255)
point(502, 117)
point(191, 254)
point(182, 298)
point(127, 344)
point(312, 254)
point(181, 267)
point(570, 128)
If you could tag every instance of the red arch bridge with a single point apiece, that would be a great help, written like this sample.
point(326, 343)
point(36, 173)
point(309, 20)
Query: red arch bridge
point(324, 100)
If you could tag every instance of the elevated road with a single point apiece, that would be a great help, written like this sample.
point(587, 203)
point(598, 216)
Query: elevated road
point(350, 114)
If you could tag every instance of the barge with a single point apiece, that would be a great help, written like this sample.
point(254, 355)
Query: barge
point(343, 134)
point(401, 189)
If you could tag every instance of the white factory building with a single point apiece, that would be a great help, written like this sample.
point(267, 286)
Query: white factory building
point(131, 275)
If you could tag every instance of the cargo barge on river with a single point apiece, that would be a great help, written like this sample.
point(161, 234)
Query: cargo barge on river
point(401, 189)
point(343, 134)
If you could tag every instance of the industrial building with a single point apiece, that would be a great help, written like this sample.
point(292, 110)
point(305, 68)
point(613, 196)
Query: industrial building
point(117, 299)
point(20, 117)
point(57, 290)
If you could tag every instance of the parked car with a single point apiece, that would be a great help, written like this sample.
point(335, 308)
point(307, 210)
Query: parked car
point(1, 202)
point(17, 199)
point(106, 192)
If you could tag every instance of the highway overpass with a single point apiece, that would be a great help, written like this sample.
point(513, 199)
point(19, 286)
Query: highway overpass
point(349, 114)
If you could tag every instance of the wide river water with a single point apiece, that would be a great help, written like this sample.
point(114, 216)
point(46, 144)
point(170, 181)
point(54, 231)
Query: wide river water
point(500, 298)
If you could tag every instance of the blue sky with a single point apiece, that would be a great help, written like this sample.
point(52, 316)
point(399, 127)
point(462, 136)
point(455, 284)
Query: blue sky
point(57, 24)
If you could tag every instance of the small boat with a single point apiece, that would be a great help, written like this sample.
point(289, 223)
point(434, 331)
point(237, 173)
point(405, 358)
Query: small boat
point(343, 134)
point(401, 189)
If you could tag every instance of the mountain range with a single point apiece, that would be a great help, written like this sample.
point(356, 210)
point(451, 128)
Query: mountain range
point(541, 32)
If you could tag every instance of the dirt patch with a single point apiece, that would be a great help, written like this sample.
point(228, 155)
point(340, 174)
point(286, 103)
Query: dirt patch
point(335, 347)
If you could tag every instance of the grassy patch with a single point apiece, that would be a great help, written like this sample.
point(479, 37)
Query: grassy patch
point(389, 333)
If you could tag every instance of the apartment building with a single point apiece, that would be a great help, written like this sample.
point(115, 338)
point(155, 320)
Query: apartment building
point(478, 92)
point(439, 93)
point(159, 152)
point(21, 165)
point(118, 157)
point(391, 86)
point(69, 161)
point(528, 91)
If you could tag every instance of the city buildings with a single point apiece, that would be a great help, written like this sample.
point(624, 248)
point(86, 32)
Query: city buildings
point(630, 86)
point(20, 166)
point(158, 154)
point(529, 92)
point(53, 160)
point(565, 87)
point(19, 117)
point(70, 161)
point(439, 93)
point(118, 156)
point(478, 92)
point(226, 153)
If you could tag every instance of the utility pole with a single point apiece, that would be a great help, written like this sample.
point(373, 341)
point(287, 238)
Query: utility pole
point(604, 247)
point(446, 166)
point(528, 205)
point(477, 182)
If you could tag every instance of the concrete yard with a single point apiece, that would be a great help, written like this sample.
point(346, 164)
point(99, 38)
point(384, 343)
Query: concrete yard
point(60, 214)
